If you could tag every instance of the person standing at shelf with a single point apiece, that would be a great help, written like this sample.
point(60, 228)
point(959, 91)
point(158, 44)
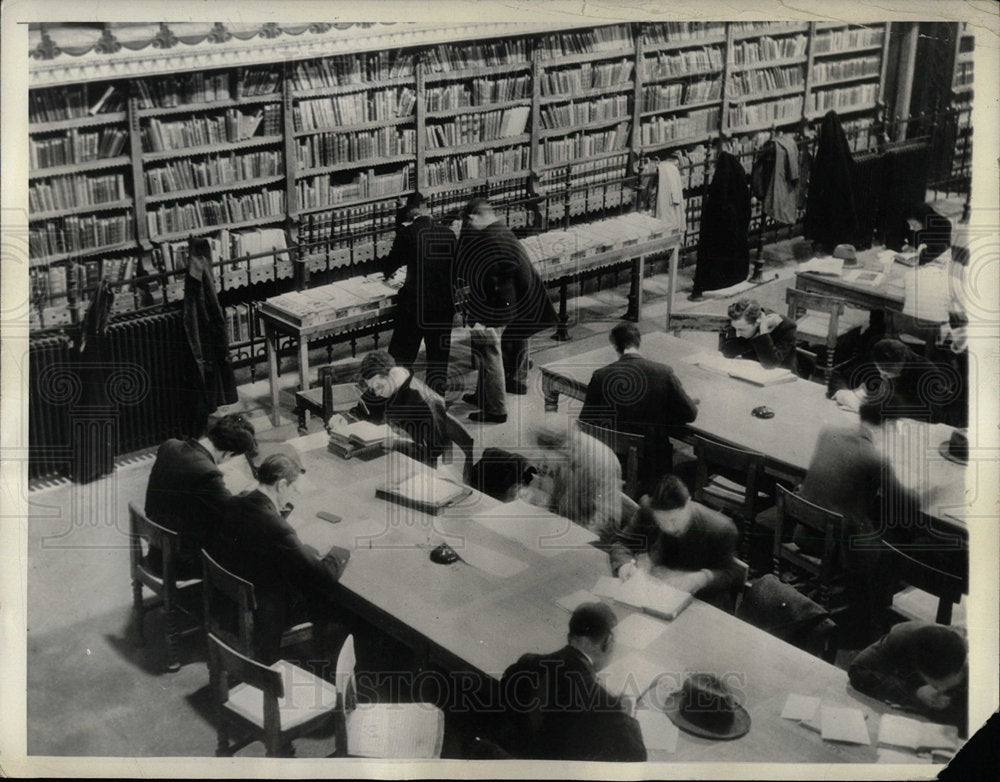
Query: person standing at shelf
point(507, 303)
point(424, 308)
point(756, 333)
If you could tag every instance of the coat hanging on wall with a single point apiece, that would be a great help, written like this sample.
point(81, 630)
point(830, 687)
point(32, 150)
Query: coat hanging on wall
point(723, 251)
point(831, 216)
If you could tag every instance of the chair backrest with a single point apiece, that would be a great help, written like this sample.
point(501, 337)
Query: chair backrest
point(344, 675)
point(921, 570)
point(629, 448)
point(802, 301)
point(740, 466)
point(167, 541)
point(224, 661)
point(224, 589)
point(792, 509)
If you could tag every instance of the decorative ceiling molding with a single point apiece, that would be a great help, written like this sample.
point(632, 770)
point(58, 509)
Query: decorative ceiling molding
point(111, 55)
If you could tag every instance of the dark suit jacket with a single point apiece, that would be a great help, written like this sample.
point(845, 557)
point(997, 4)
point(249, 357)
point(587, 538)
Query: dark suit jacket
point(428, 250)
point(775, 349)
point(416, 409)
point(557, 710)
point(504, 288)
point(643, 397)
point(258, 545)
point(186, 494)
point(710, 542)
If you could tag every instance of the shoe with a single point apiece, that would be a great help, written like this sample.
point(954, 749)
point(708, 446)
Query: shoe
point(471, 399)
point(517, 388)
point(696, 297)
point(487, 418)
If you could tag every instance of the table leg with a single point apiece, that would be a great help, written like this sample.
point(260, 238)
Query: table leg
point(550, 394)
point(304, 373)
point(634, 312)
point(562, 334)
point(675, 260)
point(271, 344)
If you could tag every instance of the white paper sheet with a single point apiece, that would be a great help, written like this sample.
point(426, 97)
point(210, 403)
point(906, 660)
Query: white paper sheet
point(843, 724)
point(575, 600)
point(898, 731)
point(490, 561)
point(310, 442)
point(629, 675)
point(658, 732)
point(800, 707)
point(638, 631)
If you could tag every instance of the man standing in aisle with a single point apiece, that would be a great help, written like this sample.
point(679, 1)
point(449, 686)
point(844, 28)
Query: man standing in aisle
point(507, 304)
point(424, 308)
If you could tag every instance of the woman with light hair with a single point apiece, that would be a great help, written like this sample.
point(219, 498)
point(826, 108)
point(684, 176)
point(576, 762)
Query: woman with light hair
point(579, 477)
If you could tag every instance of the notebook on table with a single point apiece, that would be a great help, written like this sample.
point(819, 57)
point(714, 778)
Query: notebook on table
point(646, 593)
point(744, 369)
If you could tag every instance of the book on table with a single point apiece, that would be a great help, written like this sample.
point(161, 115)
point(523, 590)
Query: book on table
point(645, 592)
point(898, 731)
point(745, 369)
point(363, 434)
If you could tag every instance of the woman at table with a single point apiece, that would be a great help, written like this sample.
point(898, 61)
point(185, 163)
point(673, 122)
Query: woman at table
point(292, 582)
point(578, 477)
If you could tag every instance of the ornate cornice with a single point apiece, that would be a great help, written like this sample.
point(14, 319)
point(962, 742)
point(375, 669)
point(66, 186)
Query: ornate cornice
point(114, 57)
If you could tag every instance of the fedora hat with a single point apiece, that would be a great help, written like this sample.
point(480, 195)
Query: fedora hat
point(956, 448)
point(704, 706)
point(847, 253)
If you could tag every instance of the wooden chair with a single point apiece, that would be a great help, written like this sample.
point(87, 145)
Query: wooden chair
point(820, 325)
point(696, 322)
point(827, 525)
point(331, 396)
point(271, 704)
point(730, 480)
point(223, 589)
point(919, 569)
point(170, 593)
point(383, 730)
point(629, 448)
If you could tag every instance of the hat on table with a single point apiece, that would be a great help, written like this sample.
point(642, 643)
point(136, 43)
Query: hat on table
point(847, 253)
point(705, 706)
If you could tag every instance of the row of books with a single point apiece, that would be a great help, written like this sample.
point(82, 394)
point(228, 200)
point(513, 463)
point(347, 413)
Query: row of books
point(329, 190)
point(354, 108)
point(600, 39)
point(477, 92)
point(226, 245)
point(585, 172)
point(564, 149)
point(668, 32)
point(67, 192)
point(749, 83)
point(187, 174)
point(240, 326)
point(352, 69)
point(771, 111)
point(181, 90)
point(328, 149)
point(448, 58)
point(836, 41)
point(858, 133)
point(73, 102)
point(835, 70)
point(752, 27)
point(231, 126)
point(963, 74)
point(844, 97)
point(663, 65)
point(356, 221)
point(69, 234)
point(588, 76)
point(494, 162)
point(766, 48)
point(230, 208)
point(668, 96)
point(253, 82)
point(483, 126)
point(76, 146)
point(662, 129)
point(566, 115)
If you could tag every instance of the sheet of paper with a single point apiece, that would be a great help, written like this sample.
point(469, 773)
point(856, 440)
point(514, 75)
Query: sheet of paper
point(575, 600)
point(490, 561)
point(843, 724)
point(310, 442)
point(638, 631)
point(865, 277)
point(535, 528)
point(607, 586)
point(800, 707)
point(658, 732)
point(629, 675)
point(827, 265)
point(899, 731)
point(886, 755)
point(645, 591)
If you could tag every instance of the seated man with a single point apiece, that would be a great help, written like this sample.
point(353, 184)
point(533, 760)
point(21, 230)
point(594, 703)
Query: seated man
point(640, 396)
point(292, 583)
point(691, 547)
point(920, 667)
point(407, 404)
point(578, 477)
point(759, 334)
point(557, 709)
point(186, 493)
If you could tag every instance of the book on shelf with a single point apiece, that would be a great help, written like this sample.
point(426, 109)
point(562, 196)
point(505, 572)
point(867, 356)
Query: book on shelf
point(102, 100)
point(645, 592)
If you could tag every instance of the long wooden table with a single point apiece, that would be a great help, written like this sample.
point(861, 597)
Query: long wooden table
point(467, 619)
point(788, 440)
point(888, 295)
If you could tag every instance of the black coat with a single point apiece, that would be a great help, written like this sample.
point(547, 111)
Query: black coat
point(831, 216)
point(428, 250)
point(559, 711)
point(504, 288)
point(723, 251)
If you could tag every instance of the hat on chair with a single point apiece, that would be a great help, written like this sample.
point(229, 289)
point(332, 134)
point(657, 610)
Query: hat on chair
point(705, 706)
point(847, 252)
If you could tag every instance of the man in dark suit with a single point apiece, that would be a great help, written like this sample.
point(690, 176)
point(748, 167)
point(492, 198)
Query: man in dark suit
point(292, 583)
point(186, 493)
point(759, 334)
point(557, 709)
point(640, 396)
point(506, 294)
point(424, 309)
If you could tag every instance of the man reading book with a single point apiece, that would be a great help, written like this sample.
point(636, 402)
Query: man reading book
point(759, 334)
point(691, 547)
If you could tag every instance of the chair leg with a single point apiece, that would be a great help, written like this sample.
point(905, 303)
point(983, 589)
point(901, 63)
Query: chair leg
point(170, 622)
point(943, 616)
point(138, 611)
point(222, 749)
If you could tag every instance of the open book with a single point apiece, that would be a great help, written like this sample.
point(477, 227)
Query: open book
point(644, 592)
point(897, 731)
point(744, 369)
point(362, 433)
point(424, 491)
